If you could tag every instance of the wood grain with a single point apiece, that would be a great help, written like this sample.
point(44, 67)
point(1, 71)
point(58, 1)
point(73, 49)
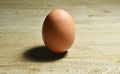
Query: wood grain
point(96, 49)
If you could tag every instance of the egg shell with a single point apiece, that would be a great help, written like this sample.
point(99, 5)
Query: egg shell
point(58, 31)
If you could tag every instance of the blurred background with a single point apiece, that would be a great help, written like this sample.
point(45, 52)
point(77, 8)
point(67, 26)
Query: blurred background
point(96, 49)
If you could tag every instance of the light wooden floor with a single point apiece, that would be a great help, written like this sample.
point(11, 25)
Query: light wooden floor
point(96, 49)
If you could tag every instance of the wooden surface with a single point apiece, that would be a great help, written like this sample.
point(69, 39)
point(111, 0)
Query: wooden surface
point(96, 49)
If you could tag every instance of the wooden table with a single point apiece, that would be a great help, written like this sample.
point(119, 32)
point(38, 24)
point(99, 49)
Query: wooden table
point(96, 49)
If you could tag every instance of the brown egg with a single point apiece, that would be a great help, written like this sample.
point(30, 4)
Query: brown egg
point(58, 31)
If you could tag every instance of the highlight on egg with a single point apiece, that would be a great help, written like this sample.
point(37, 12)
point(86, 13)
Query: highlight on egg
point(58, 31)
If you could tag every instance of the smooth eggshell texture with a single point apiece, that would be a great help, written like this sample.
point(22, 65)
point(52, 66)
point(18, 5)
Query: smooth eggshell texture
point(58, 31)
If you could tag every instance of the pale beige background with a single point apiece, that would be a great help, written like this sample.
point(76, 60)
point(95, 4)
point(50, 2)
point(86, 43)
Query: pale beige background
point(96, 49)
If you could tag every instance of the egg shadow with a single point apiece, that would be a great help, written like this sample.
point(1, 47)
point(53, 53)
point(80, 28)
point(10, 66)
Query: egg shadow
point(42, 54)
